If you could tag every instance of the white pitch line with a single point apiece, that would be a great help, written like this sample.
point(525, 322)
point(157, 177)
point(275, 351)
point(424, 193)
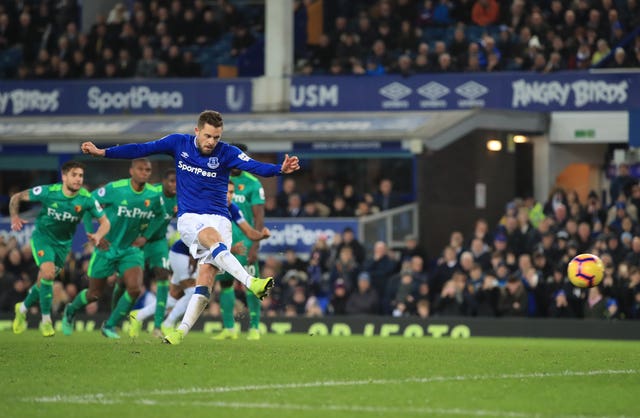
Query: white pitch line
point(101, 398)
point(348, 408)
point(368, 409)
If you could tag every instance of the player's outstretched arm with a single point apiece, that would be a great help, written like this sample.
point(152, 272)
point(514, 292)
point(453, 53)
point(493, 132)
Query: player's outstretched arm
point(252, 233)
point(290, 164)
point(91, 149)
point(14, 206)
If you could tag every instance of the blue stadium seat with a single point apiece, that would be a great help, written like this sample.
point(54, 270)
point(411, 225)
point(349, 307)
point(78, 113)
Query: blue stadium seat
point(474, 33)
point(9, 61)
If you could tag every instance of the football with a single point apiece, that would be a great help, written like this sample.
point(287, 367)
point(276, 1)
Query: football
point(585, 270)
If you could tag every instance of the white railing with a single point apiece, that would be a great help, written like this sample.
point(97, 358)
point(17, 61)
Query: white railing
point(390, 226)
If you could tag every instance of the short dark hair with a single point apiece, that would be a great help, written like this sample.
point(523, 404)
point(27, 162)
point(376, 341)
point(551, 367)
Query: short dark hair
point(71, 164)
point(169, 172)
point(140, 160)
point(210, 117)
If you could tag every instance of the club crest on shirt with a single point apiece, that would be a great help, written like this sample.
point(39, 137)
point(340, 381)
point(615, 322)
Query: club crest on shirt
point(240, 187)
point(40, 253)
point(213, 163)
point(77, 208)
point(147, 202)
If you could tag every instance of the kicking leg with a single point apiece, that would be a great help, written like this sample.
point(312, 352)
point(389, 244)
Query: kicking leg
point(224, 260)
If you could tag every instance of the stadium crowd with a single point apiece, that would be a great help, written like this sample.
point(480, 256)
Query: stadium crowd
point(44, 39)
point(514, 268)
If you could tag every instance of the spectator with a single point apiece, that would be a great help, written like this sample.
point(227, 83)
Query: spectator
point(350, 196)
point(407, 39)
point(271, 208)
point(454, 299)
point(596, 306)
point(118, 15)
point(441, 13)
point(340, 208)
point(404, 66)
point(364, 299)
point(345, 267)
point(147, 66)
point(365, 32)
point(447, 264)
point(411, 248)
point(485, 12)
point(486, 297)
point(459, 46)
point(379, 56)
point(27, 36)
point(380, 267)
point(517, 15)
point(13, 289)
point(288, 188)
point(125, 64)
point(622, 182)
point(348, 49)
point(602, 51)
point(403, 299)
point(423, 309)
point(294, 207)
point(386, 198)
point(620, 59)
point(513, 300)
point(320, 194)
point(338, 303)
point(242, 39)
point(322, 54)
point(292, 262)
point(189, 67)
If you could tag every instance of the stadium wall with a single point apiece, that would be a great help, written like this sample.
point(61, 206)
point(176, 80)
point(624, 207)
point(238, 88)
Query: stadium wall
point(377, 326)
point(562, 91)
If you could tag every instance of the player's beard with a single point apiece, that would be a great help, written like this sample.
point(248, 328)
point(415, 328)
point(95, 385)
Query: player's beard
point(205, 151)
point(73, 188)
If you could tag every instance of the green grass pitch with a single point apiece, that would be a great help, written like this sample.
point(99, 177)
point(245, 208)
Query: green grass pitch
point(300, 376)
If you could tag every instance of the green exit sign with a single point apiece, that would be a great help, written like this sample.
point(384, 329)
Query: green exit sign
point(584, 133)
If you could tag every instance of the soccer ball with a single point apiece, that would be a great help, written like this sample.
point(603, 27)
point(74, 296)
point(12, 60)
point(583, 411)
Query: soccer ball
point(585, 270)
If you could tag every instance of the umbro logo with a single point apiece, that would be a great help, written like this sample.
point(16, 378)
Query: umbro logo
point(471, 90)
point(184, 154)
point(395, 91)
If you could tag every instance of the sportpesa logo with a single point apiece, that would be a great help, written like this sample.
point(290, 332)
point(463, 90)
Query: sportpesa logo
point(196, 170)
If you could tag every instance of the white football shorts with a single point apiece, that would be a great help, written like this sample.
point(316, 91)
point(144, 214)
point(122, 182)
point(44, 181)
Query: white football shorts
point(190, 225)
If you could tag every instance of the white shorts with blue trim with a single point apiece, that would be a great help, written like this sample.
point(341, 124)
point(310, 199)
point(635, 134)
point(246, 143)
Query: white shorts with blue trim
point(190, 225)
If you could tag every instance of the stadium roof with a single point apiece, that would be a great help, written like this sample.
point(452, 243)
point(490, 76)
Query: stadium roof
point(276, 132)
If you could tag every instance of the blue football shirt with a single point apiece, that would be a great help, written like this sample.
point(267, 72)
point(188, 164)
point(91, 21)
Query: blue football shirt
point(202, 180)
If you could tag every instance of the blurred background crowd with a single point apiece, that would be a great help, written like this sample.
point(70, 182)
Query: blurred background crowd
point(515, 267)
point(193, 38)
